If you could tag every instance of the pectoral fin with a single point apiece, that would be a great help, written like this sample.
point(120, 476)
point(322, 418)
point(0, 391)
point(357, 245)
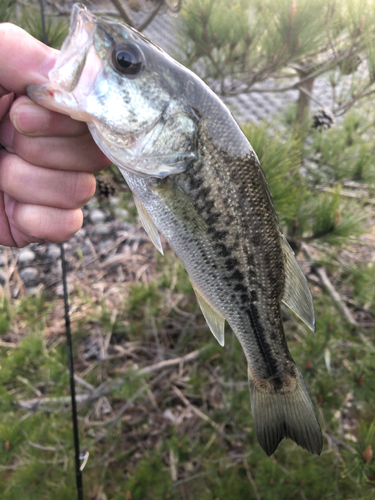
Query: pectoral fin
point(215, 320)
point(148, 225)
point(297, 295)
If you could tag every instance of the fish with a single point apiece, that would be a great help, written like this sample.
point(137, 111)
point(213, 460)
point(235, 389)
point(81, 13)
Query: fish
point(197, 181)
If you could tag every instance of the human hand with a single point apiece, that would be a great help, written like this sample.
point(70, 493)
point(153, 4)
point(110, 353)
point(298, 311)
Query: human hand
point(46, 168)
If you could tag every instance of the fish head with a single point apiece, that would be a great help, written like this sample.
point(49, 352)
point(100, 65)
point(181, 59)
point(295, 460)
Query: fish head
point(130, 93)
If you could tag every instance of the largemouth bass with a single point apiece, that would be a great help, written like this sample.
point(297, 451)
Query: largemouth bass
point(197, 181)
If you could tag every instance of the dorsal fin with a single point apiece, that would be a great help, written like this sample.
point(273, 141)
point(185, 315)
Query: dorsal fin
point(148, 224)
point(215, 320)
point(297, 295)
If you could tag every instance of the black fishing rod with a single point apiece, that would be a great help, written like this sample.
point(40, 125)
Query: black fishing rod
point(68, 338)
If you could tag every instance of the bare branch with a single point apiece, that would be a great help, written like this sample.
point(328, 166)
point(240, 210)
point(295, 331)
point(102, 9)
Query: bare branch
point(123, 12)
point(196, 410)
point(171, 362)
point(267, 70)
point(321, 273)
point(150, 18)
point(344, 108)
point(106, 388)
point(251, 479)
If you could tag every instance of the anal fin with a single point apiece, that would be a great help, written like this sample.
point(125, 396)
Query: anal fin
point(148, 224)
point(214, 319)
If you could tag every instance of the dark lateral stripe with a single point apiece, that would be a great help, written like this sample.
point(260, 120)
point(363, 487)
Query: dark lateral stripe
point(260, 337)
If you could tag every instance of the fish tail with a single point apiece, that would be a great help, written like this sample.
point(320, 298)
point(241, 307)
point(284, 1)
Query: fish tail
point(280, 412)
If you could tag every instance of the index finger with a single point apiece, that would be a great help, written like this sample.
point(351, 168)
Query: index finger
point(29, 62)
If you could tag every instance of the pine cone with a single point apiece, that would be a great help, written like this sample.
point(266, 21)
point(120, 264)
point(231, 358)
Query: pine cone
point(323, 119)
point(135, 5)
point(105, 187)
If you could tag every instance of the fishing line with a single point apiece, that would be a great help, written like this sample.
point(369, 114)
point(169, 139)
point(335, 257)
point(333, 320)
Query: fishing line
point(68, 338)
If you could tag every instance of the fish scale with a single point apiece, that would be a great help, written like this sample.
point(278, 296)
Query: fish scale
point(197, 181)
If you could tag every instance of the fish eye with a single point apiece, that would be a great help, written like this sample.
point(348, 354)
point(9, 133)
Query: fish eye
point(127, 59)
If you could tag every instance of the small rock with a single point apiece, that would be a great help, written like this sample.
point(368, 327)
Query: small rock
point(29, 273)
point(60, 289)
point(81, 233)
point(114, 201)
point(2, 278)
point(26, 256)
point(2, 260)
point(104, 245)
point(93, 204)
point(34, 290)
point(102, 229)
point(97, 216)
point(121, 213)
point(53, 252)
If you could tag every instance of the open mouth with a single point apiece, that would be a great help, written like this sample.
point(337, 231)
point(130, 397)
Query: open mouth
point(71, 80)
point(70, 63)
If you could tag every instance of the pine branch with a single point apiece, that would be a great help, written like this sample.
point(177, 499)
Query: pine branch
point(266, 72)
point(123, 12)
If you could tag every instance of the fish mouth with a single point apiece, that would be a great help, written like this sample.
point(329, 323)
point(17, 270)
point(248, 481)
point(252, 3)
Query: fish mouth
point(68, 82)
point(72, 58)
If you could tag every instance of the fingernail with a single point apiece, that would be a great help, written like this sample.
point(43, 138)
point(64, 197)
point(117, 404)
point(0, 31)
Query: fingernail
point(49, 63)
point(30, 118)
point(7, 134)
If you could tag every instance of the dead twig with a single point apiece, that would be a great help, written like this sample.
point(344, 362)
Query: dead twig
point(321, 273)
point(196, 410)
point(171, 362)
point(251, 479)
point(105, 388)
point(8, 344)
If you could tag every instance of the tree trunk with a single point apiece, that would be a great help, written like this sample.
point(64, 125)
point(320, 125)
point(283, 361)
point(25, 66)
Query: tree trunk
point(303, 104)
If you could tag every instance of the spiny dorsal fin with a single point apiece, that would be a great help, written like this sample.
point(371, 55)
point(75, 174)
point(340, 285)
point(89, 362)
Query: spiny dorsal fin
point(215, 320)
point(148, 224)
point(297, 295)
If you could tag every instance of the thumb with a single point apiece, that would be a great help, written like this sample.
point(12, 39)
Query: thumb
point(23, 59)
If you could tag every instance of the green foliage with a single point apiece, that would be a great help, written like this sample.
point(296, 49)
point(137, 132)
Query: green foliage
point(362, 278)
point(28, 17)
point(150, 480)
point(233, 37)
point(220, 462)
point(305, 211)
point(237, 44)
point(346, 151)
point(6, 10)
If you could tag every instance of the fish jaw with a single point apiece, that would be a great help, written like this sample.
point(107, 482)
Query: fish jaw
point(50, 98)
point(72, 59)
point(76, 70)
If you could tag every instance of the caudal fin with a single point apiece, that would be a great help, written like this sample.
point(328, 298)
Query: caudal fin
point(282, 413)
